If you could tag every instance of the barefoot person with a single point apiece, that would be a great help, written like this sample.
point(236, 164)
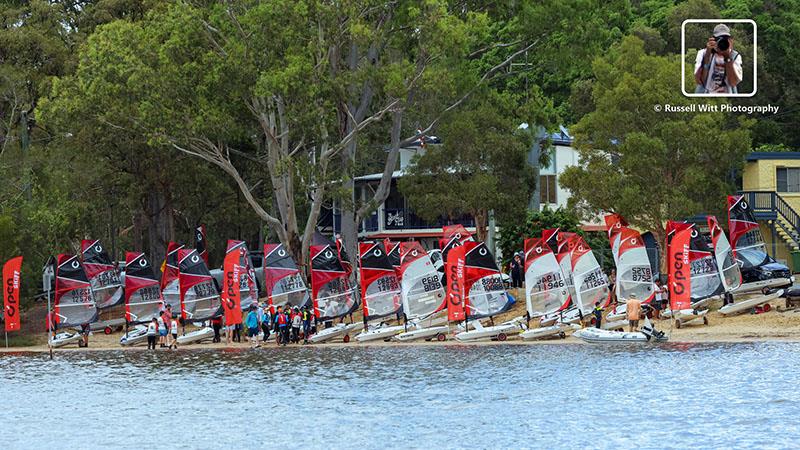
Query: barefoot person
point(173, 329)
point(252, 327)
point(152, 332)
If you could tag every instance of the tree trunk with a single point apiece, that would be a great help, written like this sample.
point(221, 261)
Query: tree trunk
point(159, 215)
point(481, 217)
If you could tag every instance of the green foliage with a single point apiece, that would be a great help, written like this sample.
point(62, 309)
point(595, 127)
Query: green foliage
point(651, 166)
point(512, 238)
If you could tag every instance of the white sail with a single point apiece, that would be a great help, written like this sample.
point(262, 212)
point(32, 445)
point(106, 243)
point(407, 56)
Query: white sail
point(545, 288)
point(421, 288)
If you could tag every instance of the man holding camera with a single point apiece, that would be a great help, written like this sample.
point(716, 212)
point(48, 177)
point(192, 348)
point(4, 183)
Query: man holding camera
point(718, 68)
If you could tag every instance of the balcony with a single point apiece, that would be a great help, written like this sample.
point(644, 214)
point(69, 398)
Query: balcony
point(405, 219)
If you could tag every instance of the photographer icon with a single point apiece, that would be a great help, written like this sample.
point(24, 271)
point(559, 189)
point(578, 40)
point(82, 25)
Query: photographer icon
point(718, 67)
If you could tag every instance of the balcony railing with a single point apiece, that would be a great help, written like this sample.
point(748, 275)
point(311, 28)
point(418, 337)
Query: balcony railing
point(405, 219)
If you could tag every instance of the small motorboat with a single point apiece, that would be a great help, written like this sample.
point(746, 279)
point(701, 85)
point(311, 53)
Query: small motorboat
point(65, 338)
point(196, 336)
point(381, 332)
point(135, 336)
point(339, 330)
point(599, 336)
point(740, 306)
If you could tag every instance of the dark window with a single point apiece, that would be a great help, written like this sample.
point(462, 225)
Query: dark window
point(788, 179)
point(547, 189)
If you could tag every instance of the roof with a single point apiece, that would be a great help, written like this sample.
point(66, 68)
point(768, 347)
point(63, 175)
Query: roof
point(378, 176)
point(756, 156)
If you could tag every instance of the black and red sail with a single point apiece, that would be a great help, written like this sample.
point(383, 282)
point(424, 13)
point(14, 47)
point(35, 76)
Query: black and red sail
point(331, 292)
point(380, 288)
point(74, 301)
point(200, 242)
point(142, 292)
point(102, 273)
point(199, 297)
point(283, 282)
point(483, 284)
point(170, 277)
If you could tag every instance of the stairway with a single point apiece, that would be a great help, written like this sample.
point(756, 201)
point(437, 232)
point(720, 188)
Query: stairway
point(770, 206)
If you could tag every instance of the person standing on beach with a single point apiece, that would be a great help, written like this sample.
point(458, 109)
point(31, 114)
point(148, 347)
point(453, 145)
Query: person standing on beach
point(152, 332)
point(216, 324)
point(266, 322)
point(657, 300)
point(297, 322)
point(280, 326)
point(162, 331)
point(517, 270)
point(612, 280)
point(85, 332)
point(598, 315)
point(252, 327)
point(173, 329)
point(306, 324)
point(633, 310)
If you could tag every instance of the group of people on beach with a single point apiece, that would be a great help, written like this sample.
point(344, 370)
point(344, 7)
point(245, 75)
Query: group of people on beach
point(288, 324)
point(163, 329)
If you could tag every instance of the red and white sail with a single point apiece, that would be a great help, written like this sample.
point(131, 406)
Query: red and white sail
point(234, 274)
point(679, 268)
point(615, 223)
point(453, 236)
point(422, 292)
point(634, 274)
point(331, 292)
point(103, 274)
point(142, 292)
point(483, 284)
point(746, 239)
point(199, 297)
point(393, 252)
point(557, 241)
point(545, 288)
point(731, 273)
point(591, 285)
point(74, 300)
point(170, 277)
point(283, 282)
point(380, 288)
point(706, 280)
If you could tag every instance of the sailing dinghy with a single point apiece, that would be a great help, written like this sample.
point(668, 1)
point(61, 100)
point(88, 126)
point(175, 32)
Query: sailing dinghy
point(567, 313)
point(102, 274)
point(422, 295)
point(282, 279)
point(170, 278)
point(484, 295)
point(332, 294)
point(634, 273)
point(142, 297)
point(380, 292)
point(761, 274)
point(545, 288)
point(200, 300)
point(74, 299)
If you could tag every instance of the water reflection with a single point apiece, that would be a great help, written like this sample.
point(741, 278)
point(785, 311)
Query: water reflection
point(438, 397)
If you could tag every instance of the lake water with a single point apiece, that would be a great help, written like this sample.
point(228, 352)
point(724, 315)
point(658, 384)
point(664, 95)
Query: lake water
point(499, 396)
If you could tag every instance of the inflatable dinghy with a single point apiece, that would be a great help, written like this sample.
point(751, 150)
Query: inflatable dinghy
point(740, 306)
point(65, 338)
point(196, 336)
point(600, 336)
point(135, 336)
point(382, 332)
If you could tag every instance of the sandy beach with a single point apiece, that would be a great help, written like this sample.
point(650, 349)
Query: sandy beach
point(779, 324)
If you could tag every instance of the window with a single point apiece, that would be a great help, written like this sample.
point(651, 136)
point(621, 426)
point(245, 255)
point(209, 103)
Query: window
point(788, 179)
point(547, 189)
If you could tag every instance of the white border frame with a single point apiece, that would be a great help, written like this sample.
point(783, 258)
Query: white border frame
point(683, 56)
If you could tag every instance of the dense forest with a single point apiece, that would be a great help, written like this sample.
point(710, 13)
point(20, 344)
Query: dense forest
point(132, 121)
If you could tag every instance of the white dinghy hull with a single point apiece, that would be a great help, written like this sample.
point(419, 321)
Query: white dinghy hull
point(196, 336)
point(65, 338)
point(382, 333)
point(741, 306)
point(135, 336)
point(559, 330)
point(438, 332)
point(499, 332)
point(339, 330)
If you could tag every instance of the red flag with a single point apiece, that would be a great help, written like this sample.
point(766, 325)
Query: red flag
point(231, 290)
point(454, 275)
point(680, 282)
point(11, 283)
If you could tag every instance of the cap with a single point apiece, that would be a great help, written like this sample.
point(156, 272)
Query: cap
point(722, 30)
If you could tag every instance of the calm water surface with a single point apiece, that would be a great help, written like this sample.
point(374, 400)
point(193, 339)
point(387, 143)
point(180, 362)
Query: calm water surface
point(540, 396)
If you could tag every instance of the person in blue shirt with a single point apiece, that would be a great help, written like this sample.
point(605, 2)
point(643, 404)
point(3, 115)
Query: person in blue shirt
point(252, 327)
point(266, 322)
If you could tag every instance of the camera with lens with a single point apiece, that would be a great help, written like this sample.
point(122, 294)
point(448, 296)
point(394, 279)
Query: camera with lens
point(723, 43)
